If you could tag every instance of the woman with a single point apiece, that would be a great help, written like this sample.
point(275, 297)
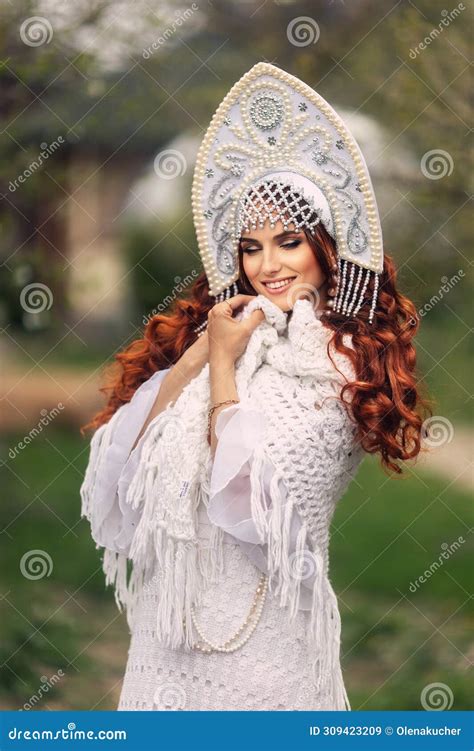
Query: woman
point(217, 462)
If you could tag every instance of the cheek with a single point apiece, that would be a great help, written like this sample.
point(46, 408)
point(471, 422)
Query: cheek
point(251, 264)
point(307, 265)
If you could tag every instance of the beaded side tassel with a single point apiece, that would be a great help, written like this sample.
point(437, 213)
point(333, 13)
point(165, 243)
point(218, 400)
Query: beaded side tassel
point(224, 295)
point(350, 293)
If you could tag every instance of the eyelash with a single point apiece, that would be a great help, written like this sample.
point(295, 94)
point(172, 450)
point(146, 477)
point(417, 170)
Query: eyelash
point(292, 244)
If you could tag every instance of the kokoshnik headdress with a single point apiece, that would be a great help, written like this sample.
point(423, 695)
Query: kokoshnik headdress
point(276, 149)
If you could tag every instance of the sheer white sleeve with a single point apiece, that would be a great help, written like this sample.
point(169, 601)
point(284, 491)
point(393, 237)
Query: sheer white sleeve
point(112, 464)
point(239, 430)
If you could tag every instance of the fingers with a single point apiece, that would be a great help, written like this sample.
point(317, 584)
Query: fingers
point(255, 318)
point(238, 300)
point(235, 302)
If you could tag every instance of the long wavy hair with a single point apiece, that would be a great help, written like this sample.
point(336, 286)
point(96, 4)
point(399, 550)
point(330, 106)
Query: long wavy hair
point(386, 400)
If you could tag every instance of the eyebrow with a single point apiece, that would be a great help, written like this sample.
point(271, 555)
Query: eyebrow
point(277, 237)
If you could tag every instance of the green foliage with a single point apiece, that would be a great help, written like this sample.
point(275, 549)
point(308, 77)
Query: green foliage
point(161, 259)
point(401, 525)
point(397, 638)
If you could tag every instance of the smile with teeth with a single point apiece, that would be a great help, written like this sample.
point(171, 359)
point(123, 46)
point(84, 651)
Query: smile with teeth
point(280, 285)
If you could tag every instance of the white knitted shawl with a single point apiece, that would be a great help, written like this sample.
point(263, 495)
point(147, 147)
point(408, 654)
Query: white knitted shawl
point(286, 374)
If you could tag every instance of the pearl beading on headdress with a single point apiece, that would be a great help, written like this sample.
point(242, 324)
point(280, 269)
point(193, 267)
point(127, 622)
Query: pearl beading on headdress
point(343, 303)
point(269, 122)
point(274, 203)
point(268, 199)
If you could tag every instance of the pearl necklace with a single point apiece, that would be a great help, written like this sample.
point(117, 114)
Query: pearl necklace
point(255, 611)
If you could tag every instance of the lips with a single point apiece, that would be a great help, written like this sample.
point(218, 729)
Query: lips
point(280, 287)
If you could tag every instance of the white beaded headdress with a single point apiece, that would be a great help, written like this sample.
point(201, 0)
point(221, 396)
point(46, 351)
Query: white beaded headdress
point(275, 148)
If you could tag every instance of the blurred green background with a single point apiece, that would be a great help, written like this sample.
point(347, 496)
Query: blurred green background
point(103, 107)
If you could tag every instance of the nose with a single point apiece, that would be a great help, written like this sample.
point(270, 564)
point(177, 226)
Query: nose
point(271, 263)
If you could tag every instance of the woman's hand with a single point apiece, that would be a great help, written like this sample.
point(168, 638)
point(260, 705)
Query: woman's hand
point(227, 338)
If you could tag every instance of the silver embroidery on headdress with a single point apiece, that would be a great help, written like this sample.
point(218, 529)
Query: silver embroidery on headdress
point(270, 130)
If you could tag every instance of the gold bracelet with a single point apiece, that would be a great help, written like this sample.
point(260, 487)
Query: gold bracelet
point(211, 412)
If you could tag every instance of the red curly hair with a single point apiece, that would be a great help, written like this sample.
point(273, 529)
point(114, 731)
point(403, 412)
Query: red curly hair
point(386, 403)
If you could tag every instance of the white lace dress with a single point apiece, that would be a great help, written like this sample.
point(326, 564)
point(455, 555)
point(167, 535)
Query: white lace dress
point(271, 670)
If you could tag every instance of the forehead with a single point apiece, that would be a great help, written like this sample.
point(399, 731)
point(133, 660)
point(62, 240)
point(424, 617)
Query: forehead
point(267, 233)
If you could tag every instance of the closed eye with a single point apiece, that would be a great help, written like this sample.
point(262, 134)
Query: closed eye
point(291, 244)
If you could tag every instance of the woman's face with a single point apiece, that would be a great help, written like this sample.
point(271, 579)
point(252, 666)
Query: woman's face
point(270, 255)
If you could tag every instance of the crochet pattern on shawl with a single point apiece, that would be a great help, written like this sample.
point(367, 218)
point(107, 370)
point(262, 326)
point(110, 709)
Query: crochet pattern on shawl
point(286, 374)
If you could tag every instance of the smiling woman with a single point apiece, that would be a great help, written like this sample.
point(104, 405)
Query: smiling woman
point(234, 426)
point(274, 260)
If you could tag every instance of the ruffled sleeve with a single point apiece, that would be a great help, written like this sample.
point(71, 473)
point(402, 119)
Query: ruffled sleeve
point(112, 464)
point(239, 431)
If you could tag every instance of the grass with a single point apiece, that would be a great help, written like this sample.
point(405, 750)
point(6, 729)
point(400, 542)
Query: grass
point(398, 639)
point(386, 532)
